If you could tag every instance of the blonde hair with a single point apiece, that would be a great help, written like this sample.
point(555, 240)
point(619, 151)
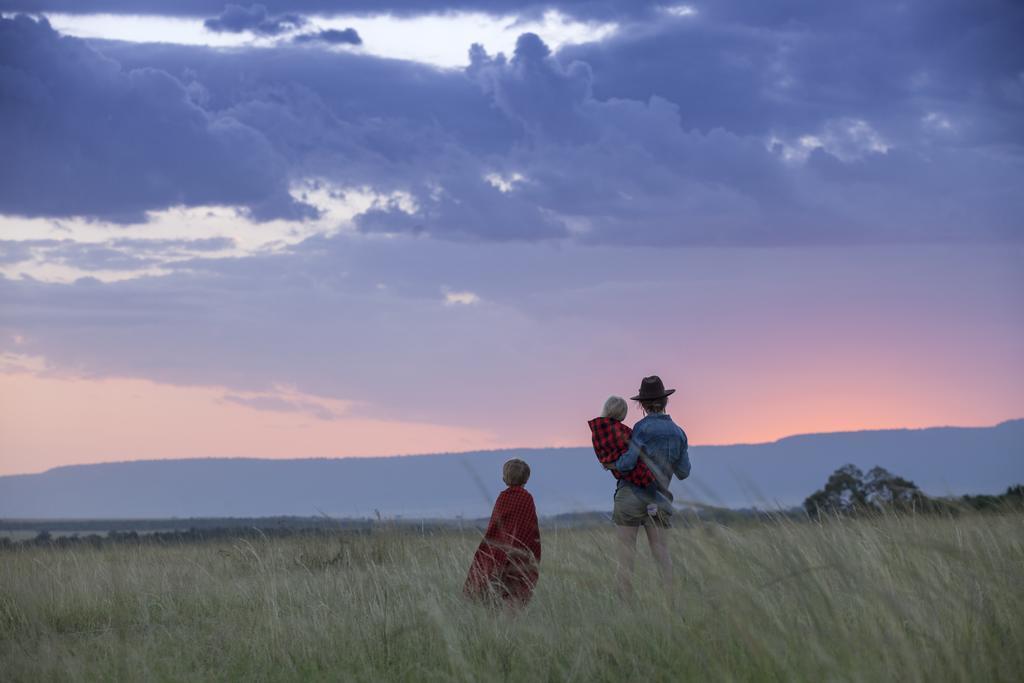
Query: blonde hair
point(515, 472)
point(615, 408)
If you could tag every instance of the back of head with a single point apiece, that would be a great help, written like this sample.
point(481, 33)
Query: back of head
point(515, 472)
point(654, 406)
point(615, 408)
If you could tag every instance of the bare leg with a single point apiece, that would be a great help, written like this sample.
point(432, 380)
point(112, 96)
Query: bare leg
point(658, 540)
point(627, 556)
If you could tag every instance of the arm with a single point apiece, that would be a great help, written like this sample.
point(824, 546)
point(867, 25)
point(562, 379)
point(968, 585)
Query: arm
point(489, 559)
point(495, 524)
point(682, 467)
point(627, 461)
point(534, 542)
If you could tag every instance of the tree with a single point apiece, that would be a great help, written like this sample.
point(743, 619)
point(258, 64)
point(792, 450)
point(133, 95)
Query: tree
point(883, 489)
point(843, 493)
point(1013, 498)
point(848, 491)
point(1014, 495)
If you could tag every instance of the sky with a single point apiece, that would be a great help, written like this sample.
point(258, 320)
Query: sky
point(292, 230)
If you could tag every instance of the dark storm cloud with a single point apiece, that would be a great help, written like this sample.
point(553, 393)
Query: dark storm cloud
point(814, 124)
point(534, 89)
point(317, 105)
point(254, 18)
point(412, 128)
point(83, 136)
point(637, 170)
point(330, 36)
point(752, 67)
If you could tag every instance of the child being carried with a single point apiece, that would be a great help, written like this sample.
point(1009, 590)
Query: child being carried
point(611, 439)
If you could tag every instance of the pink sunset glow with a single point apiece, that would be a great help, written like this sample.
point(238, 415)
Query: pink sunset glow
point(52, 421)
point(838, 381)
point(819, 340)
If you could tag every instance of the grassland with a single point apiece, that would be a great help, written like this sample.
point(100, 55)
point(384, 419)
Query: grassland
point(908, 598)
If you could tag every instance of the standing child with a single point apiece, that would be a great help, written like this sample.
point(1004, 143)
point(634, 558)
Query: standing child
point(505, 566)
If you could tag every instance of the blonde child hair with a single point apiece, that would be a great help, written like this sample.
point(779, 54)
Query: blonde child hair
point(615, 408)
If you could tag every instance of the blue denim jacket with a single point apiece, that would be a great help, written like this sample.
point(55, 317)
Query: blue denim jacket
point(665, 446)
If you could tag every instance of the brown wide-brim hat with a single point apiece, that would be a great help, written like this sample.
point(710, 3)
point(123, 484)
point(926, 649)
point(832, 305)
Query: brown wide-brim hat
point(652, 388)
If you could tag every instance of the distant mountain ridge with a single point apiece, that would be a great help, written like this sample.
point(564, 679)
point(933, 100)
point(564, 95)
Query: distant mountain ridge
point(941, 460)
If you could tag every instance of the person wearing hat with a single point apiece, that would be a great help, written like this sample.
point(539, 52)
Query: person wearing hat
point(660, 444)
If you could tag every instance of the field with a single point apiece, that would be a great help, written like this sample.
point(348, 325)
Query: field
point(908, 598)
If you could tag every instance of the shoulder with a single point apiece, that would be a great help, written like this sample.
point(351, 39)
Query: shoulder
point(516, 493)
point(655, 425)
point(642, 424)
point(666, 423)
point(676, 429)
point(520, 501)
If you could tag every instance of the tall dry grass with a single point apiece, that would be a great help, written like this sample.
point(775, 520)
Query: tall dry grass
point(906, 598)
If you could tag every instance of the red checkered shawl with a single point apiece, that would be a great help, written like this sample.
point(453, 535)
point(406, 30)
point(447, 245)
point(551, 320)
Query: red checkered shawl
point(611, 439)
point(505, 564)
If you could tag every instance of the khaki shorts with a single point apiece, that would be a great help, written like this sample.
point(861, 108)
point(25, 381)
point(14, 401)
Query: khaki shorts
point(631, 510)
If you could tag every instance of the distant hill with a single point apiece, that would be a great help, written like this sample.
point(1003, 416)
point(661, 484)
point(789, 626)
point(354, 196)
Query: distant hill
point(942, 461)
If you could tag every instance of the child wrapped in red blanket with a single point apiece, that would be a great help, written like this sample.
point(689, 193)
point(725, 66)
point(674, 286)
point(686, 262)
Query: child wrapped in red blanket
point(611, 439)
point(505, 566)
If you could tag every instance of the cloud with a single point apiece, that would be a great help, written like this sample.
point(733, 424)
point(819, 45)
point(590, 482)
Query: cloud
point(203, 244)
point(534, 88)
point(752, 67)
point(289, 402)
point(16, 251)
point(84, 136)
point(313, 318)
point(254, 18)
point(591, 9)
point(460, 298)
point(556, 186)
point(464, 206)
point(331, 36)
point(729, 126)
point(66, 259)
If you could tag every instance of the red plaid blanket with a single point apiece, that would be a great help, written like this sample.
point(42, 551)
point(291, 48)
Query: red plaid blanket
point(611, 439)
point(505, 563)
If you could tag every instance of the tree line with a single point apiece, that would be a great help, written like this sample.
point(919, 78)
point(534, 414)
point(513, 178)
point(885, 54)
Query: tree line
point(849, 491)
